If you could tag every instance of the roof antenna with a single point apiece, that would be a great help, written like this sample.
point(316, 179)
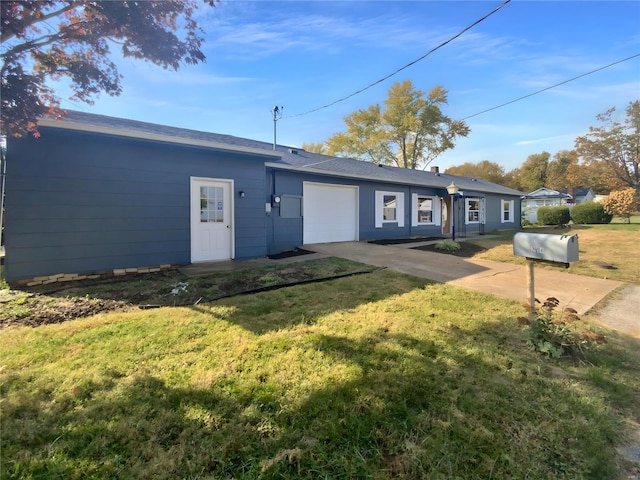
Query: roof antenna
point(277, 115)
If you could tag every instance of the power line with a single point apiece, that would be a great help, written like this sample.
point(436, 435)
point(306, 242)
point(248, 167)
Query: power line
point(552, 86)
point(463, 31)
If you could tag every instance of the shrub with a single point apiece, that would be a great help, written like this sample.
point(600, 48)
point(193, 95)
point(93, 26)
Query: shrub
point(590, 212)
point(448, 246)
point(621, 203)
point(553, 336)
point(554, 215)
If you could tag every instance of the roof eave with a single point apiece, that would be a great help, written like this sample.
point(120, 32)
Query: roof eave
point(157, 137)
point(332, 173)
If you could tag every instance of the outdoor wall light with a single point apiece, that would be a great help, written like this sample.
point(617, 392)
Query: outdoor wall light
point(453, 189)
point(241, 193)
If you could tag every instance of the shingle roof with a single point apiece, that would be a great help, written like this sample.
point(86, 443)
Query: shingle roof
point(283, 158)
point(577, 192)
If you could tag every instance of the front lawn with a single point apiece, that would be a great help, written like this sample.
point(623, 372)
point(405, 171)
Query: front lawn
point(377, 376)
point(606, 251)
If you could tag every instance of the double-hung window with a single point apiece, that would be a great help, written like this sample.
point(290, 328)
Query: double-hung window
point(472, 208)
point(507, 211)
point(389, 208)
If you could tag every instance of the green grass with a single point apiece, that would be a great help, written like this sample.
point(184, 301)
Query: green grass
point(61, 302)
point(617, 245)
point(377, 376)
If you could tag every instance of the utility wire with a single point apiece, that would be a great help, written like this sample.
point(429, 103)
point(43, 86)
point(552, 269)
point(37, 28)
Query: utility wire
point(552, 86)
point(463, 31)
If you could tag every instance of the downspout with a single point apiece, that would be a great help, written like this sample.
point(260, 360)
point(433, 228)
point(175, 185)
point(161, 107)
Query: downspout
point(3, 175)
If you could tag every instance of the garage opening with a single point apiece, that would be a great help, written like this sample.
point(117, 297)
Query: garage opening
point(330, 213)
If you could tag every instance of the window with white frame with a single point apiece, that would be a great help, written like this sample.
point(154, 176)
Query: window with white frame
point(424, 209)
point(507, 211)
point(472, 207)
point(389, 208)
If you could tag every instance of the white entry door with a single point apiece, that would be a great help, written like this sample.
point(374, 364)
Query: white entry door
point(211, 220)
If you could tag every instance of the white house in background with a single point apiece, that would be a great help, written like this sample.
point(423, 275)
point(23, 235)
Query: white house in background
point(545, 197)
point(542, 197)
point(580, 195)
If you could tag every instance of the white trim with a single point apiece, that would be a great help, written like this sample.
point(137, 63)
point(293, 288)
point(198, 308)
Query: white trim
point(194, 214)
point(158, 137)
point(415, 209)
point(511, 204)
point(467, 209)
point(379, 206)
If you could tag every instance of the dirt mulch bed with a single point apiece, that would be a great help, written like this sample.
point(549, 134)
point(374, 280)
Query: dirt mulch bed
point(60, 310)
point(290, 253)
point(399, 241)
point(49, 304)
point(467, 249)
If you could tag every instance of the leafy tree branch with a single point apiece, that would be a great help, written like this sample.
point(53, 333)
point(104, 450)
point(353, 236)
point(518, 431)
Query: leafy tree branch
point(36, 49)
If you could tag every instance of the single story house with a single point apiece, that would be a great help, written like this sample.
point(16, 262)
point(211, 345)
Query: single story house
point(542, 197)
point(546, 197)
point(100, 195)
point(579, 195)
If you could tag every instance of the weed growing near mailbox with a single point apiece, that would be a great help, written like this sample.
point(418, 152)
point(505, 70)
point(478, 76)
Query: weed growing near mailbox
point(554, 336)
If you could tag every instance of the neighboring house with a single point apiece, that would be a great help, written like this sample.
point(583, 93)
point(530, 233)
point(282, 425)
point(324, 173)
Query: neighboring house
point(545, 197)
point(579, 195)
point(97, 194)
point(542, 197)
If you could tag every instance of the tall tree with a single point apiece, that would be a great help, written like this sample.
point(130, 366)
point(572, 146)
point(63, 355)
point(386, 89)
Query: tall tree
point(615, 144)
point(47, 40)
point(512, 179)
point(595, 174)
point(533, 172)
point(409, 132)
point(558, 169)
point(484, 170)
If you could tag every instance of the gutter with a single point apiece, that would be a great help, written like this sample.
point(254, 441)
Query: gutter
point(158, 137)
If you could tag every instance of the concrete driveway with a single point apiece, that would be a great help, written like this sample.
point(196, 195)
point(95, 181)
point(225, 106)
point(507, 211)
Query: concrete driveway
point(501, 279)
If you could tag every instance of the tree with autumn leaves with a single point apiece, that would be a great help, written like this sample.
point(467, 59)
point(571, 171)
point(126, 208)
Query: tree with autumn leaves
point(605, 159)
point(48, 40)
point(621, 203)
point(409, 131)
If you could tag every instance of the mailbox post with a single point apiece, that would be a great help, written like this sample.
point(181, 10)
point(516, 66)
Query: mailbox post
point(538, 247)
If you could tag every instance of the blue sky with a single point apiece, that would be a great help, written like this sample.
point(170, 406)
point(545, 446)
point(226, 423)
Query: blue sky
point(306, 54)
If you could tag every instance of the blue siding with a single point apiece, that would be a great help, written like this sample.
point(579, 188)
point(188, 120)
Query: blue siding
point(80, 202)
point(287, 233)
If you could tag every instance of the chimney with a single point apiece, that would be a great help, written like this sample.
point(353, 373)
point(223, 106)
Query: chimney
point(435, 169)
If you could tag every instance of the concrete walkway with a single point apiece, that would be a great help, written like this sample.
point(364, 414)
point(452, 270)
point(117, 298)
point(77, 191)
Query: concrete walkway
point(501, 279)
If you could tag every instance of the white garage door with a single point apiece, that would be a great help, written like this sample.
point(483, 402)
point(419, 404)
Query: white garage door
point(330, 213)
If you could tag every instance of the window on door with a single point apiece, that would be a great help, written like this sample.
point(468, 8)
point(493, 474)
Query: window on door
point(211, 205)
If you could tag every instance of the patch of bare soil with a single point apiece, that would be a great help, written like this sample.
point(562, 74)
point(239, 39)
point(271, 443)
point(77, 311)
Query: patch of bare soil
point(58, 303)
point(467, 249)
point(57, 310)
point(290, 253)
